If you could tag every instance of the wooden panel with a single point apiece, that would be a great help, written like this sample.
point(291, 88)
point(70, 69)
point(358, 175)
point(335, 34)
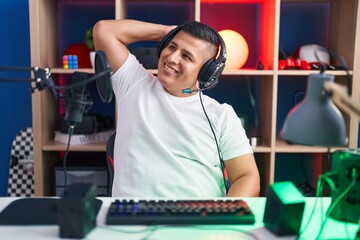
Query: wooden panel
point(120, 9)
point(264, 166)
point(354, 122)
point(56, 146)
point(269, 33)
point(265, 109)
point(284, 147)
point(344, 39)
point(38, 21)
point(342, 29)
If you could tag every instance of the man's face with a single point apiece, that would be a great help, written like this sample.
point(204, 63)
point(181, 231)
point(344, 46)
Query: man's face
point(180, 62)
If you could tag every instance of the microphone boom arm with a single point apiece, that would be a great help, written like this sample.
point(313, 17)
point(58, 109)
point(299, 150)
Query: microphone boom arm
point(42, 78)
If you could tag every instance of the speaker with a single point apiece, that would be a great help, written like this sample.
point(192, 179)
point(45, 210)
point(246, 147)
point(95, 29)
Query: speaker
point(76, 211)
point(210, 72)
point(284, 209)
point(346, 163)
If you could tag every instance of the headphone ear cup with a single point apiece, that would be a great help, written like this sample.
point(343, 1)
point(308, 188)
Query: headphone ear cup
point(210, 73)
point(203, 74)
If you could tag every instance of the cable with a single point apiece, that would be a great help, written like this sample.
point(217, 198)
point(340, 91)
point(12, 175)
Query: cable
point(306, 188)
point(309, 220)
point(252, 101)
point(327, 178)
point(250, 234)
point(338, 58)
point(152, 229)
point(70, 133)
point(79, 84)
point(335, 204)
point(114, 229)
point(319, 190)
point(303, 168)
point(17, 69)
point(217, 144)
point(318, 195)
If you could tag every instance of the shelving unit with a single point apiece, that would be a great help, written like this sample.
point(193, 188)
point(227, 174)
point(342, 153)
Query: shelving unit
point(343, 38)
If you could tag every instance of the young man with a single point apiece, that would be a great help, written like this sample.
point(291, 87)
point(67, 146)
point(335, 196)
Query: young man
point(169, 142)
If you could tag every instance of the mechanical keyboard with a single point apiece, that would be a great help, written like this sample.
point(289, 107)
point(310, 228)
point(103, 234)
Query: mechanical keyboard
point(168, 212)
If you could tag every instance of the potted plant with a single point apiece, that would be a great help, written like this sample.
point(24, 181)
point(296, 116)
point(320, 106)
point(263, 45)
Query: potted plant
point(90, 45)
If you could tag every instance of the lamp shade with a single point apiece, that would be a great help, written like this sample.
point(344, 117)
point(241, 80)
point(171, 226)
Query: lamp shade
point(316, 120)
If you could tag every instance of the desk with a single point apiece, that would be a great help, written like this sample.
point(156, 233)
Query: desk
point(333, 229)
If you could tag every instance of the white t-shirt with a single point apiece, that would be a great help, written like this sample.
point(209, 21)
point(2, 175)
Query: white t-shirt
point(164, 145)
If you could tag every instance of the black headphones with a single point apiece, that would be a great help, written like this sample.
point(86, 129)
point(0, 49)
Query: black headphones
point(211, 70)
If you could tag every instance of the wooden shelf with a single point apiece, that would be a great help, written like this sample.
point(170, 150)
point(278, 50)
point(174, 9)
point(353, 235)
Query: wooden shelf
point(283, 147)
point(343, 37)
point(261, 149)
point(71, 71)
point(56, 146)
point(308, 72)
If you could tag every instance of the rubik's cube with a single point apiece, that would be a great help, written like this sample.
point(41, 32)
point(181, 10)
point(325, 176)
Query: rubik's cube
point(70, 61)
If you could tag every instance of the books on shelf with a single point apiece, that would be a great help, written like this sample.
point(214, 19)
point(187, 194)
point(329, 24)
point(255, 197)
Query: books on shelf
point(81, 139)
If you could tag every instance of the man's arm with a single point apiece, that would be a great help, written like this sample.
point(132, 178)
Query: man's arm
point(244, 176)
point(113, 36)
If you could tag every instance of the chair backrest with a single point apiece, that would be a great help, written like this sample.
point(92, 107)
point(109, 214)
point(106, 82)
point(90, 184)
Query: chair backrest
point(21, 172)
point(110, 160)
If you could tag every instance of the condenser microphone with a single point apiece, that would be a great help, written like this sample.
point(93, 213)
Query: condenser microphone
point(78, 100)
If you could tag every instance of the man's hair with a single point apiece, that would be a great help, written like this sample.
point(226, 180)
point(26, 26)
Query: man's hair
point(201, 31)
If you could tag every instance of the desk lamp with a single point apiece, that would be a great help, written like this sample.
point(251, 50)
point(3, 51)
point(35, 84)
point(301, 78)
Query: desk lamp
point(317, 121)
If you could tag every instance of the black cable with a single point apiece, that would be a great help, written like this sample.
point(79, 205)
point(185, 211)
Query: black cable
point(306, 175)
point(16, 68)
point(308, 189)
point(70, 133)
point(79, 84)
point(17, 80)
point(340, 59)
point(252, 101)
point(217, 144)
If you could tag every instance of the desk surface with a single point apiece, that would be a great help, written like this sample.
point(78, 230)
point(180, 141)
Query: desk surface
point(333, 229)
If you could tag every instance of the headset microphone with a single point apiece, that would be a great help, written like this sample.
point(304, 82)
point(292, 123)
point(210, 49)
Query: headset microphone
point(189, 90)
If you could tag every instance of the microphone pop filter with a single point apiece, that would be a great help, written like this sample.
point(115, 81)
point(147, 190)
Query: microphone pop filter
point(103, 83)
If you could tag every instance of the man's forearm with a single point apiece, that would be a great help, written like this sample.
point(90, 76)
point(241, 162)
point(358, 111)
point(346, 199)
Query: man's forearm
point(113, 36)
point(244, 187)
point(128, 31)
